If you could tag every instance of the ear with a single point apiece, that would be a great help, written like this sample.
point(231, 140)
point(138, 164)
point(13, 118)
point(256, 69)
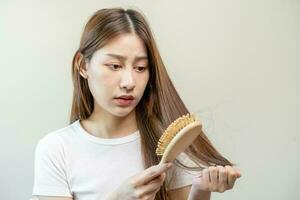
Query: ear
point(81, 65)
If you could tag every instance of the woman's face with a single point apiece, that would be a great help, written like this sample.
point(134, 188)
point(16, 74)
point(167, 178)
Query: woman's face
point(118, 68)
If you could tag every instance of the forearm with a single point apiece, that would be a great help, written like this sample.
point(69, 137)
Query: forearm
point(199, 195)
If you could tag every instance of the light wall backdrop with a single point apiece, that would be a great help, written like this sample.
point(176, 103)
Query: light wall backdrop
point(235, 63)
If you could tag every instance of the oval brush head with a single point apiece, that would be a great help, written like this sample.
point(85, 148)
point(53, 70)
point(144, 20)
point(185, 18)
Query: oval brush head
point(178, 136)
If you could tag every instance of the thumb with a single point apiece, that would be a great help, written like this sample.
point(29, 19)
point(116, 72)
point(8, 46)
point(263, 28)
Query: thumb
point(239, 174)
point(152, 173)
point(160, 178)
point(163, 176)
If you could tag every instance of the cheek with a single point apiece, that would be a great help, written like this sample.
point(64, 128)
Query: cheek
point(100, 84)
point(143, 84)
point(108, 81)
point(108, 85)
point(103, 78)
point(146, 80)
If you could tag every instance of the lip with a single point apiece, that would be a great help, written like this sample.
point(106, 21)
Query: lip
point(123, 102)
point(127, 97)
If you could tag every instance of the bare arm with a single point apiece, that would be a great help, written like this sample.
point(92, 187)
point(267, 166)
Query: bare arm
point(180, 193)
point(187, 192)
point(195, 194)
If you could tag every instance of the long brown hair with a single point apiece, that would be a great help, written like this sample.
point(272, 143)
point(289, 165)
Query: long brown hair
point(160, 104)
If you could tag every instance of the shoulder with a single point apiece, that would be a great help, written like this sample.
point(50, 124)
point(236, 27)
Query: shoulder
point(55, 139)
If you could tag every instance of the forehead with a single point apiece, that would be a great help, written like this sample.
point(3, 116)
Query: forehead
point(124, 46)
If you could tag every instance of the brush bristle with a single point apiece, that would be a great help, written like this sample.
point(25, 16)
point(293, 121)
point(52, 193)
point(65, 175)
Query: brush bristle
point(171, 132)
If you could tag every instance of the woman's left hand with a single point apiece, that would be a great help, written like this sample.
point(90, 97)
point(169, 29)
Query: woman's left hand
point(216, 179)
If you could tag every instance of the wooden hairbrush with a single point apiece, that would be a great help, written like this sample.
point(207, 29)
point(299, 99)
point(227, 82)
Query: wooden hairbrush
point(178, 136)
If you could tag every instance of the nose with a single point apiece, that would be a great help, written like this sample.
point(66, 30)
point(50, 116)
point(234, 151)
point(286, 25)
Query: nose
point(127, 80)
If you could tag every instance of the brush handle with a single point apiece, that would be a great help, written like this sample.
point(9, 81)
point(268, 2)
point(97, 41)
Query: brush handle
point(182, 140)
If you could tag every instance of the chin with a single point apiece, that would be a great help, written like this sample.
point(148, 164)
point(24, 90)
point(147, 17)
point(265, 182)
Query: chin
point(122, 112)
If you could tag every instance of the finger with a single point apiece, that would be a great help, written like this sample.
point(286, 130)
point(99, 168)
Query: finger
point(213, 172)
point(222, 184)
point(237, 172)
point(161, 178)
point(222, 176)
point(205, 175)
point(231, 176)
point(151, 173)
point(204, 179)
point(149, 188)
point(150, 196)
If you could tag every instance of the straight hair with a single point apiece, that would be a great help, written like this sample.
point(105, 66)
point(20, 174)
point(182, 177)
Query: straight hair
point(160, 104)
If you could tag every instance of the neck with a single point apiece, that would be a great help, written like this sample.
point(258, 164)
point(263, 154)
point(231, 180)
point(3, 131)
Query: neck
point(105, 125)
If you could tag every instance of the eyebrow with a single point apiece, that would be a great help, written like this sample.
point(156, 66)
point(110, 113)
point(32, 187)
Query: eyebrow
point(124, 58)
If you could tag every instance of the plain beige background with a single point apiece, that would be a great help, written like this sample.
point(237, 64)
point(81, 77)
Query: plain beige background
point(235, 63)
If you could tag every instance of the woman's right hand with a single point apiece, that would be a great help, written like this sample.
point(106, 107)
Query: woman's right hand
point(142, 186)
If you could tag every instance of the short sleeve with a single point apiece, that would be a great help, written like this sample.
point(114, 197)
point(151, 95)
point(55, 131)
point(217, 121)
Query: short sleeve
point(178, 177)
point(50, 177)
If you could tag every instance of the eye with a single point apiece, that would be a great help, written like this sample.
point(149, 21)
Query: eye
point(114, 66)
point(141, 68)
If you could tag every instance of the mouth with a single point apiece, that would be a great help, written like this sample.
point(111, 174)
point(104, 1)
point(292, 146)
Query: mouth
point(127, 97)
point(123, 101)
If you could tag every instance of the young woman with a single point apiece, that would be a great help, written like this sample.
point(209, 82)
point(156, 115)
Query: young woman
point(123, 100)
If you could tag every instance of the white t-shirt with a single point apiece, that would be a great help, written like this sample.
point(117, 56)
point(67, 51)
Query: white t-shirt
point(71, 162)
